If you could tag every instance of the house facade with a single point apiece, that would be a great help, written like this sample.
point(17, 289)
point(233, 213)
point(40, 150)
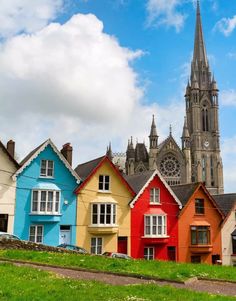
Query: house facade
point(199, 225)
point(154, 218)
point(227, 204)
point(103, 212)
point(8, 167)
point(45, 198)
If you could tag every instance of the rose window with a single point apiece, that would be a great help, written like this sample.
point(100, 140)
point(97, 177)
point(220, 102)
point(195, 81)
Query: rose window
point(170, 166)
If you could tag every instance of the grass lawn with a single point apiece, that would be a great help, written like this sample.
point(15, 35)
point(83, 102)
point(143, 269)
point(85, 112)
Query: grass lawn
point(27, 284)
point(158, 269)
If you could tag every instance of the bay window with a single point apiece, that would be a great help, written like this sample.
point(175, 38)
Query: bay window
point(155, 225)
point(104, 214)
point(200, 235)
point(45, 202)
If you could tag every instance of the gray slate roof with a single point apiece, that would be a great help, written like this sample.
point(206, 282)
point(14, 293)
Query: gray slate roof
point(184, 192)
point(137, 181)
point(85, 169)
point(141, 153)
point(9, 155)
point(31, 154)
point(225, 201)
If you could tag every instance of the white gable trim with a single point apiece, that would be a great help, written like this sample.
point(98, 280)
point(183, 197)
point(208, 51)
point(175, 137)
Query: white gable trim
point(156, 172)
point(42, 148)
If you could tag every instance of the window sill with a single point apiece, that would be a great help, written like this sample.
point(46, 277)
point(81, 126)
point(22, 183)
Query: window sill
point(104, 191)
point(199, 214)
point(47, 177)
point(155, 236)
point(104, 229)
point(47, 214)
point(155, 204)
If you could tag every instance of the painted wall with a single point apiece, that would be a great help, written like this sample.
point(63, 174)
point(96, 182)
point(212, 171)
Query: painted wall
point(227, 229)
point(142, 207)
point(120, 194)
point(188, 217)
point(7, 188)
point(30, 179)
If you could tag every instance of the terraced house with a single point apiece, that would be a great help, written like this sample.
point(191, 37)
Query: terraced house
point(8, 167)
point(199, 225)
point(45, 199)
point(154, 217)
point(103, 212)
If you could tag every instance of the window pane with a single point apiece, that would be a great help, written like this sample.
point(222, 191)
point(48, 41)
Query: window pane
point(35, 201)
point(100, 185)
point(102, 214)
point(57, 201)
point(108, 214)
point(43, 168)
point(95, 215)
point(50, 201)
point(114, 214)
point(43, 201)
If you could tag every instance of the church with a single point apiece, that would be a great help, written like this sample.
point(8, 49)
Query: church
point(199, 158)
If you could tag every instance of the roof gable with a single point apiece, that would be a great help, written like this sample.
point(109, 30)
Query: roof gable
point(169, 144)
point(226, 202)
point(88, 170)
point(185, 193)
point(141, 181)
point(9, 155)
point(34, 154)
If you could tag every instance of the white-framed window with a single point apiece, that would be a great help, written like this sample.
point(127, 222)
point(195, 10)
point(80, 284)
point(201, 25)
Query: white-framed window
point(36, 233)
point(47, 168)
point(96, 245)
point(104, 214)
point(149, 253)
point(104, 183)
point(155, 225)
point(45, 202)
point(155, 196)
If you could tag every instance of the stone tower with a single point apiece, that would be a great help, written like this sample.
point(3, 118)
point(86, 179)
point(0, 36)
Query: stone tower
point(202, 118)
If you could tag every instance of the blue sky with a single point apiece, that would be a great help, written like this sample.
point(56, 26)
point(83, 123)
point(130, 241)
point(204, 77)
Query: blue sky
point(94, 71)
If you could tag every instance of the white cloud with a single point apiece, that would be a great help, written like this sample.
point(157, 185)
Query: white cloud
point(162, 12)
point(231, 55)
point(26, 15)
point(226, 25)
point(228, 97)
point(229, 160)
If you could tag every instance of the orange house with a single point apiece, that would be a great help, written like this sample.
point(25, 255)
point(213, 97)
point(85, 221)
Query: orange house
point(199, 225)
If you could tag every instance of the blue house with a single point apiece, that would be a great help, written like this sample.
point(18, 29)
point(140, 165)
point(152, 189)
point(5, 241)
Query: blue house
point(45, 209)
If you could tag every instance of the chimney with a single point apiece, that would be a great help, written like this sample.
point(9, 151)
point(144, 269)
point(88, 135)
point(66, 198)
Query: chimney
point(67, 152)
point(11, 148)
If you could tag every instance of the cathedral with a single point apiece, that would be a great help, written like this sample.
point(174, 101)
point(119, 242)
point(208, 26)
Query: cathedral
point(198, 159)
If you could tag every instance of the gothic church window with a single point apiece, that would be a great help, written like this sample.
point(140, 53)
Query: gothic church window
point(205, 119)
point(170, 166)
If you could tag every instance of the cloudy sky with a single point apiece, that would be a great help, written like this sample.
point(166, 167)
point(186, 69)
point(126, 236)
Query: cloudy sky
point(93, 71)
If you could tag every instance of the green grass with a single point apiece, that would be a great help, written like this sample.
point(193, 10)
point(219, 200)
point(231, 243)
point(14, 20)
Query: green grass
point(158, 269)
point(28, 284)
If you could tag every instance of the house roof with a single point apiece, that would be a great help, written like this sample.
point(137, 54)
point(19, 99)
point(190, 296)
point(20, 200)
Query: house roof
point(139, 182)
point(226, 202)
point(34, 154)
point(85, 169)
point(9, 155)
point(184, 192)
point(88, 169)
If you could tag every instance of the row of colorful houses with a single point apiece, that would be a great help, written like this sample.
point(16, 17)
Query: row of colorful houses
point(44, 200)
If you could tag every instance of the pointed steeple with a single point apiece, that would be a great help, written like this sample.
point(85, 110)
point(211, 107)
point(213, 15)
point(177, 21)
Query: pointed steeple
point(153, 137)
point(153, 132)
point(185, 133)
point(199, 54)
point(109, 152)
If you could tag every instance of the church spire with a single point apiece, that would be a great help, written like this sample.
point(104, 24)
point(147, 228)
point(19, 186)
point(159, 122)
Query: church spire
point(199, 55)
point(153, 137)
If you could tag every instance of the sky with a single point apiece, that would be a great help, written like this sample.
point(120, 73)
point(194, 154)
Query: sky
point(92, 72)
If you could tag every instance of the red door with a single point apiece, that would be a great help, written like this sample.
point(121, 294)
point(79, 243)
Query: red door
point(122, 244)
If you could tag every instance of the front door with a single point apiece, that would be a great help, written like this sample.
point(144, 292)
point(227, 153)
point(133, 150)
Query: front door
point(171, 253)
point(65, 235)
point(122, 244)
point(3, 222)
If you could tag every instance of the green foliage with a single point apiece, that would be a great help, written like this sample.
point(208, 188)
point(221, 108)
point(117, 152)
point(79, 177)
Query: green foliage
point(158, 269)
point(28, 284)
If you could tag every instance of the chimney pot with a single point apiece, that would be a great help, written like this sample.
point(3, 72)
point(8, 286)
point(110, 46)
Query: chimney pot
point(66, 151)
point(11, 148)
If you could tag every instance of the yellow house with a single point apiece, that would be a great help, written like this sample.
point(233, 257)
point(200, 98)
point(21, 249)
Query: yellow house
point(103, 212)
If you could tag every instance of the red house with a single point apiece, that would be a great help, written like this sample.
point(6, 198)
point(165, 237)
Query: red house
point(154, 217)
